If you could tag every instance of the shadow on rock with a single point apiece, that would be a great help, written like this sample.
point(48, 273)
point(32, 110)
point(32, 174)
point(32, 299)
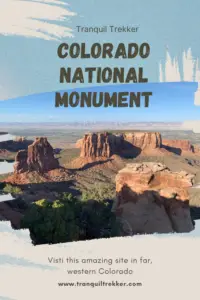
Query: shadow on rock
point(149, 212)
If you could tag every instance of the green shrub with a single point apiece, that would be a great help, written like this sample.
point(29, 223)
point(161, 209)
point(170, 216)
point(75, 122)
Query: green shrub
point(99, 192)
point(10, 189)
point(51, 222)
point(69, 219)
point(97, 220)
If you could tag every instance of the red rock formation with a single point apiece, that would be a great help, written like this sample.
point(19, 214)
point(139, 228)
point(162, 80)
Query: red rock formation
point(79, 143)
point(21, 165)
point(196, 149)
point(179, 145)
point(144, 140)
point(39, 158)
point(97, 145)
point(105, 145)
point(151, 198)
point(100, 145)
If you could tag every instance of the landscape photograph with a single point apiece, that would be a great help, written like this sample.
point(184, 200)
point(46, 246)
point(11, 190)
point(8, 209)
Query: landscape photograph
point(76, 181)
point(122, 158)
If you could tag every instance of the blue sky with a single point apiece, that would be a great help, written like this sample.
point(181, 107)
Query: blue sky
point(171, 102)
point(30, 65)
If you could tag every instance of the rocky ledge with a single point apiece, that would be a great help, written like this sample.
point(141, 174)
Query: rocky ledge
point(152, 199)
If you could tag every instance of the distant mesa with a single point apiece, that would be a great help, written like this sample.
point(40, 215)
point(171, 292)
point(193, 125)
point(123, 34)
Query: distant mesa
point(184, 145)
point(100, 145)
point(129, 145)
point(20, 143)
point(125, 144)
point(152, 199)
point(181, 147)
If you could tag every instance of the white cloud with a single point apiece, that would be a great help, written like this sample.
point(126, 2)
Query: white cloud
point(35, 18)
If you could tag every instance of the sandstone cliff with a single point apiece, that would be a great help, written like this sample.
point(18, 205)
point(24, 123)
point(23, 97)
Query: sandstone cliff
point(21, 165)
point(132, 144)
point(128, 144)
point(151, 198)
point(181, 147)
point(100, 145)
point(79, 143)
point(142, 140)
point(178, 146)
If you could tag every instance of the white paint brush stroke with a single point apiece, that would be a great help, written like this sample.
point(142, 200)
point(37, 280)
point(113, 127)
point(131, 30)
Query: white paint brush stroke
point(35, 18)
point(25, 272)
